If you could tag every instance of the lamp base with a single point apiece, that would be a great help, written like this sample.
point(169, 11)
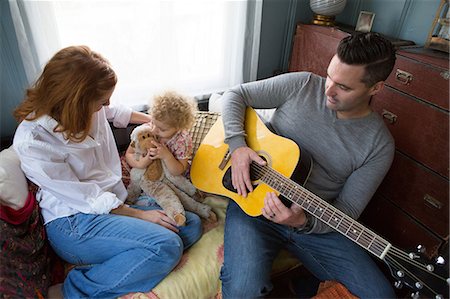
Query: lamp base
point(323, 20)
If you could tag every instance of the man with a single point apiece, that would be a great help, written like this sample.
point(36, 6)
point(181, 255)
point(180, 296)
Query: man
point(352, 151)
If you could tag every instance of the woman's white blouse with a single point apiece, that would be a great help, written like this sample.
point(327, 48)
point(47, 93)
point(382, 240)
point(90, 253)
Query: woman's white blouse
point(73, 177)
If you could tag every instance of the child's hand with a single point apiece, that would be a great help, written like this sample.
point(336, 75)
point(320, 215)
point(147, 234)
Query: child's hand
point(145, 160)
point(160, 151)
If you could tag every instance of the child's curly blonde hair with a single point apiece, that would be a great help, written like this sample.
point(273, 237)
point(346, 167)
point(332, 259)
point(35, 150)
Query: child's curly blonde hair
point(174, 109)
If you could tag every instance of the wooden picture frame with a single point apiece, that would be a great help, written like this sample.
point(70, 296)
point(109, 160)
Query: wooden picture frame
point(365, 21)
point(439, 35)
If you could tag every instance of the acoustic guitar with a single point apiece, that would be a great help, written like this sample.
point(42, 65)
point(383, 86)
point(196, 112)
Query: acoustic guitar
point(286, 172)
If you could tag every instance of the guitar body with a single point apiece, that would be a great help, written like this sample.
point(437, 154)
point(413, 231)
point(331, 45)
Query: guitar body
point(211, 171)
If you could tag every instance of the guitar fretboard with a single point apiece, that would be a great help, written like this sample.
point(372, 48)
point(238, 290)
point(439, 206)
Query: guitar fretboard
point(323, 211)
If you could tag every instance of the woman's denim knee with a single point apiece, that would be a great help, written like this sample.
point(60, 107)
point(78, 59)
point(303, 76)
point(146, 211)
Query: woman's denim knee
point(172, 247)
point(57, 228)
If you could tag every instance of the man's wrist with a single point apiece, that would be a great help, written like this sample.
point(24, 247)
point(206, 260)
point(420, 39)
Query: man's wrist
point(306, 225)
point(236, 142)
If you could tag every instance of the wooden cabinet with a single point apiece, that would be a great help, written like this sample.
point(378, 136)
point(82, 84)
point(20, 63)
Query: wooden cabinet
point(414, 104)
point(314, 46)
point(411, 206)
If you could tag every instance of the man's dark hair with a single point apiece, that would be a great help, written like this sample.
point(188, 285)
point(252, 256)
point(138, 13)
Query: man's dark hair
point(373, 51)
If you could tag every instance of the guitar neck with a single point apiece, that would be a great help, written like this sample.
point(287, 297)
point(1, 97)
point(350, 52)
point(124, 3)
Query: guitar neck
point(323, 211)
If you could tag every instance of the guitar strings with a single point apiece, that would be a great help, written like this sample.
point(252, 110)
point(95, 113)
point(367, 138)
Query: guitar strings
point(368, 239)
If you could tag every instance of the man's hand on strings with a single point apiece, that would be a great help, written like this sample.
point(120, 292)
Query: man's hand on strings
point(240, 169)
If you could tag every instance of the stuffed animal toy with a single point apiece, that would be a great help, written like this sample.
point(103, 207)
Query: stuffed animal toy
point(173, 194)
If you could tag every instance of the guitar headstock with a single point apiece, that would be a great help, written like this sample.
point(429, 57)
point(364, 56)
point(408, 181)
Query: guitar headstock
point(424, 277)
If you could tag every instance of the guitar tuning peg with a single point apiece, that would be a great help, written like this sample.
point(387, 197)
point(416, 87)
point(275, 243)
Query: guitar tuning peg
point(413, 255)
point(398, 284)
point(440, 260)
point(439, 296)
point(421, 249)
point(415, 295)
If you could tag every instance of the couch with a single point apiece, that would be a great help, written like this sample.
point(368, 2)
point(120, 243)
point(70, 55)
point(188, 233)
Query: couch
point(29, 266)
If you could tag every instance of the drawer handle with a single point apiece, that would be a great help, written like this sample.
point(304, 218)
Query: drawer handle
point(432, 202)
point(391, 117)
point(403, 77)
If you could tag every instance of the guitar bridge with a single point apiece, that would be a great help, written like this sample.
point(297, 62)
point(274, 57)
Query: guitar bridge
point(225, 160)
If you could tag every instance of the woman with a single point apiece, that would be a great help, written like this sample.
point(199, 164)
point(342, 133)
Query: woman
point(67, 148)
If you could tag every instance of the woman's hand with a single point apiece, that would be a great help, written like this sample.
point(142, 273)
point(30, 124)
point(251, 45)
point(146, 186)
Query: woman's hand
point(154, 216)
point(277, 212)
point(159, 217)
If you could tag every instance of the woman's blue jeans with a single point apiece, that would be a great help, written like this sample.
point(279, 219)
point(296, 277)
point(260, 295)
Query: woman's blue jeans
point(118, 254)
point(251, 245)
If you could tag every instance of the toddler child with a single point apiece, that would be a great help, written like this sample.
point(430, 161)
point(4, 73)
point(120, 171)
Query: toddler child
point(172, 115)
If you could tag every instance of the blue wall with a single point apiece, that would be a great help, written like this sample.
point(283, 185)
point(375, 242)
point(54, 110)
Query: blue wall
point(403, 19)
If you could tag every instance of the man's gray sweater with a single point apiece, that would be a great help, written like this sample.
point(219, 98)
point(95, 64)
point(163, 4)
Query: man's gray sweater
point(351, 156)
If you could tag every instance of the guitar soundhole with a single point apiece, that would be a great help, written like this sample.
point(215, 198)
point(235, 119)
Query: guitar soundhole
point(255, 171)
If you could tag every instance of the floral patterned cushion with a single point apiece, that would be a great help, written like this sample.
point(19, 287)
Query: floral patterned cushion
point(25, 255)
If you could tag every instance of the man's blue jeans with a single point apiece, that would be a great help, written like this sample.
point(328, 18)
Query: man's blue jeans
point(251, 245)
point(120, 254)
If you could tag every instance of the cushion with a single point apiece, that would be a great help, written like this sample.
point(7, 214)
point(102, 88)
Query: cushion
point(333, 289)
point(214, 103)
point(25, 259)
point(13, 185)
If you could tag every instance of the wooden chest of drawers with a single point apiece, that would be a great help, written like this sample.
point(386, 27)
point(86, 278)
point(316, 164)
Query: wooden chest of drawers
point(414, 104)
point(314, 46)
point(411, 206)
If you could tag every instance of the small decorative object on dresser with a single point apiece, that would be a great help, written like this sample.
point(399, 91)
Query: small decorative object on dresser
point(439, 36)
point(365, 21)
point(325, 11)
